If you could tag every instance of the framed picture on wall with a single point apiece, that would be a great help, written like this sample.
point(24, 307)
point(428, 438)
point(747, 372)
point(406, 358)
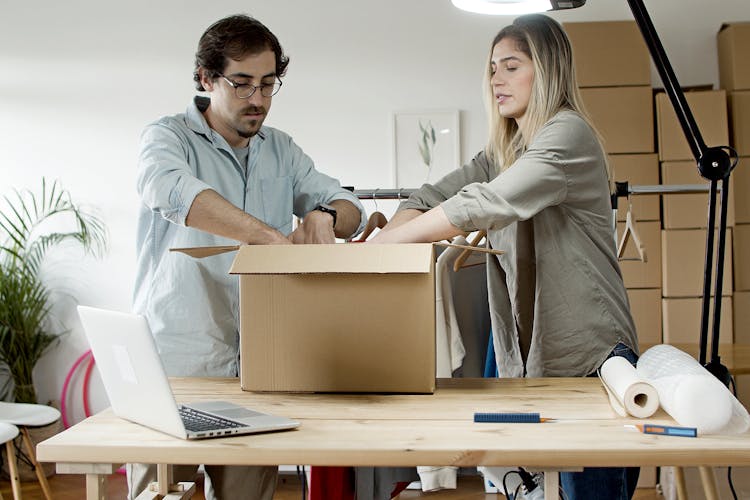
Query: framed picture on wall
point(426, 146)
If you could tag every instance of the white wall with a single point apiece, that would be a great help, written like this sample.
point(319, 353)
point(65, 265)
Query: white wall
point(81, 78)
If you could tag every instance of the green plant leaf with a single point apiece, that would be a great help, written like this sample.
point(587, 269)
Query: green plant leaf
point(26, 331)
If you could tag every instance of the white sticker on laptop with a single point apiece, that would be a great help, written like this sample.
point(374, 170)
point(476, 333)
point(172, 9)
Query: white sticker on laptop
point(122, 358)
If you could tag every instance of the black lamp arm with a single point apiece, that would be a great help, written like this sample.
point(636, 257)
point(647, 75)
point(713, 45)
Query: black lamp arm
point(668, 78)
point(715, 165)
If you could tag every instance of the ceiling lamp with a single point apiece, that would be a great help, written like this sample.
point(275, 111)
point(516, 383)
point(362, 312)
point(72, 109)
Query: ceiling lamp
point(515, 7)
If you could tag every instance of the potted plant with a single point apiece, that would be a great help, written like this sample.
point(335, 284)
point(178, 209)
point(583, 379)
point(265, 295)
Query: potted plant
point(27, 233)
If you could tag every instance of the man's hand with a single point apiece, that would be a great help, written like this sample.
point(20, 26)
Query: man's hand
point(316, 227)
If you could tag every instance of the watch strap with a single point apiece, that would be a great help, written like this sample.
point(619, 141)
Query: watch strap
point(329, 210)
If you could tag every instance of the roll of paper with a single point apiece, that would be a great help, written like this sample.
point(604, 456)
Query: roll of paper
point(628, 393)
point(690, 394)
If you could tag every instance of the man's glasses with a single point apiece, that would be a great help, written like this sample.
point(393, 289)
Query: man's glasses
point(246, 90)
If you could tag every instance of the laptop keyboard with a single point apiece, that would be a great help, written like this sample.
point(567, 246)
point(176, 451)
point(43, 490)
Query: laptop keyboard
point(197, 421)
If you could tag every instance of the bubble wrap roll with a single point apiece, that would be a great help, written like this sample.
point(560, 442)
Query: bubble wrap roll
point(690, 394)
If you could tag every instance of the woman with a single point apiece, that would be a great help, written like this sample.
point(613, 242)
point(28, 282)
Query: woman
point(540, 188)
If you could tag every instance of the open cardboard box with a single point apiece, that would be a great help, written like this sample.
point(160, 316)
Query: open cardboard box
point(335, 318)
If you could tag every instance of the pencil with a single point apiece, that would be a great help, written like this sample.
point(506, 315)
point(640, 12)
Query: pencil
point(508, 418)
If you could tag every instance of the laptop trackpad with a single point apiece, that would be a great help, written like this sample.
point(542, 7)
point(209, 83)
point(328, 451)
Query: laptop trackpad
point(239, 413)
point(225, 409)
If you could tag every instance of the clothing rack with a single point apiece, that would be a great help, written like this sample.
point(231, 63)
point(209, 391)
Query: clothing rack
point(622, 189)
point(382, 194)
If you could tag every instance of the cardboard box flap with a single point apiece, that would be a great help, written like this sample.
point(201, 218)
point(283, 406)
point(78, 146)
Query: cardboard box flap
point(333, 258)
point(201, 252)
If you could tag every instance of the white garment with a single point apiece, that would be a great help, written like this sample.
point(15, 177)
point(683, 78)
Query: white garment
point(437, 478)
point(449, 348)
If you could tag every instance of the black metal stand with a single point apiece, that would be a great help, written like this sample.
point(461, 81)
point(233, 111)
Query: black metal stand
point(714, 164)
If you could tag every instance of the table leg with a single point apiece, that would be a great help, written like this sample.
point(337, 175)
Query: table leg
point(679, 481)
point(163, 478)
point(551, 485)
point(709, 483)
point(164, 489)
point(96, 477)
point(96, 487)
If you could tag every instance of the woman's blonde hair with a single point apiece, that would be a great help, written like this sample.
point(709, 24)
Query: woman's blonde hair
point(554, 87)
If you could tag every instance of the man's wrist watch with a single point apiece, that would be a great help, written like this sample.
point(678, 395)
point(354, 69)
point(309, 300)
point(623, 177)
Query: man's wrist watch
point(328, 209)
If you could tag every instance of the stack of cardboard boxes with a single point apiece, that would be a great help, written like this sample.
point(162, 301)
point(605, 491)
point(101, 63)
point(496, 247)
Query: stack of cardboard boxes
point(685, 218)
point(613, 69)
point(733, 42)
point(614, 75)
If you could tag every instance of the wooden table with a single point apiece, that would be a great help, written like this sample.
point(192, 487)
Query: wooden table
point(402, 430)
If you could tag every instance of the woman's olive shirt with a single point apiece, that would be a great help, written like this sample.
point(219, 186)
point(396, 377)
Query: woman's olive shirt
point(557, 300)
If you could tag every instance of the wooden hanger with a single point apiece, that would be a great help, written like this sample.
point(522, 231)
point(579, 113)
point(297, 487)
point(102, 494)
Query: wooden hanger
point(376, 220)
point(631, 232)
point(459, 262)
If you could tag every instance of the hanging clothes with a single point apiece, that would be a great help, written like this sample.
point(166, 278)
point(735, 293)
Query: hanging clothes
point(449, 346)
point(331, 483)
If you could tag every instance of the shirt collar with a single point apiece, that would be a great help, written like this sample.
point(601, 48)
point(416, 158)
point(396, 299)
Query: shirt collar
point(197, 122)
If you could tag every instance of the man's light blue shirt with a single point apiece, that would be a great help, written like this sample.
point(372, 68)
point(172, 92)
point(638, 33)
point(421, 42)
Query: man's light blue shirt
point(192, 304)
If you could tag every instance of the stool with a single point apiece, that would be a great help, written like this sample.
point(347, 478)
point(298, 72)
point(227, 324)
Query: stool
point(25, 415)
point(8, 433)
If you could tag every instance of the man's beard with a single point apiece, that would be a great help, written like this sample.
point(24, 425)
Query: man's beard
point(247, 134)
point(255, 124)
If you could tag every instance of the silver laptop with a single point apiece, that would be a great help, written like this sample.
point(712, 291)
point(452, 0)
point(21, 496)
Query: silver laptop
point(139, 391)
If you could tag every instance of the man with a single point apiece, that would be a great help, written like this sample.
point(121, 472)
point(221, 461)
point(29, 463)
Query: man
point(216, 176)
